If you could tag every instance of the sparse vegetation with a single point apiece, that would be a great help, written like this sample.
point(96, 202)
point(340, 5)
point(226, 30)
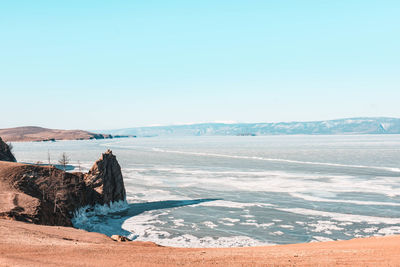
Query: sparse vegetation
point(64, 160)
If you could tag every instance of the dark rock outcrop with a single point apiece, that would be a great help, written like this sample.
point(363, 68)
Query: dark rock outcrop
point(120, 238)
point(5, 152)
point(47, 195)
point(105, 178)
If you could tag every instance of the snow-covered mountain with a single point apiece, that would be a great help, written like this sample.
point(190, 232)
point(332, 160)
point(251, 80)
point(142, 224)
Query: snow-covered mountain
point(341, 126)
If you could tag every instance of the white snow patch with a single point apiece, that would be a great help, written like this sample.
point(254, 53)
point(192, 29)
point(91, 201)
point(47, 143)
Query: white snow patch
point(343, 217)
point(210, 224)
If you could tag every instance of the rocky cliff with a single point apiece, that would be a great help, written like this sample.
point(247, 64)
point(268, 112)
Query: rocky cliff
point(105, 178)
point(5, 152)
point(47, 195)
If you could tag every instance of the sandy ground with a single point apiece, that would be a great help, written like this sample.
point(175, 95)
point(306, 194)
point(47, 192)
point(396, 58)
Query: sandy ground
point(23, 244)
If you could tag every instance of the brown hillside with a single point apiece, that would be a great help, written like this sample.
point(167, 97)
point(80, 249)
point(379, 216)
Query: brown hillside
point(33, 133)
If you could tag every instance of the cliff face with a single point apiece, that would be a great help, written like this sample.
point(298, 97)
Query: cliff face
point(47, 195)
point(5, 152)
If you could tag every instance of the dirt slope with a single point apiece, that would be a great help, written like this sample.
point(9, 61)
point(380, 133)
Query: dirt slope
point(23, 244)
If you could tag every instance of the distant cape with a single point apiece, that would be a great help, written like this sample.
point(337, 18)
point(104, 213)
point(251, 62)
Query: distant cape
point(34, 133)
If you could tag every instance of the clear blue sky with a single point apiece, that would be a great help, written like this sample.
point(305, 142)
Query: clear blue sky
point(114, 64)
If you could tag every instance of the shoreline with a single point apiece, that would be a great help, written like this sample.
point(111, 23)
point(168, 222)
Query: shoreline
point(38, 245)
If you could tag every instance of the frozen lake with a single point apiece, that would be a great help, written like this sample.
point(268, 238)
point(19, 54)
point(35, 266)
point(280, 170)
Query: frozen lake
point(245, 191)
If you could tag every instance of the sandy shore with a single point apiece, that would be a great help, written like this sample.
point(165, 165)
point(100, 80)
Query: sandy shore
point(23, 244)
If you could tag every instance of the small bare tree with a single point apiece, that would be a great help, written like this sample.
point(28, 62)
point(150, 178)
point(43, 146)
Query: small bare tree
point(49, 162)
point(64, 160)
point(50, 173)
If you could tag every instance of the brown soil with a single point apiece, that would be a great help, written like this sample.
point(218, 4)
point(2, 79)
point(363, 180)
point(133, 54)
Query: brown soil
point(23, 244)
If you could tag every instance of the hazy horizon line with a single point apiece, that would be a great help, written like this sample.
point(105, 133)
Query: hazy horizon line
point(248, 122)
point(207, 122)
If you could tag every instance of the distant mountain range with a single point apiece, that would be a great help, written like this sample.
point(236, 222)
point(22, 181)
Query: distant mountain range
point(379, 125)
